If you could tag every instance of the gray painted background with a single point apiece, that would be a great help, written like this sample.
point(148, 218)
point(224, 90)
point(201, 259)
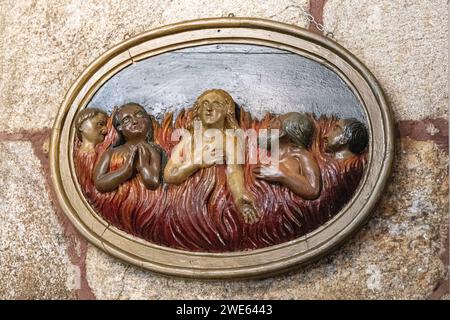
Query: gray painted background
point(260, 79)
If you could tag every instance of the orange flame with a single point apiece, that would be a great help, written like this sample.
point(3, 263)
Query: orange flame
point(200, 215)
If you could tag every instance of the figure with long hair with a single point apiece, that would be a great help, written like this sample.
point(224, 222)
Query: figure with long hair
point(134, 149)
point(213, 112)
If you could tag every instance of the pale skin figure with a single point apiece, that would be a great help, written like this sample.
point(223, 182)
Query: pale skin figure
point(215, 110)
point(91, 128)
point(134, 127)
point(297, 169)
point(348, 138)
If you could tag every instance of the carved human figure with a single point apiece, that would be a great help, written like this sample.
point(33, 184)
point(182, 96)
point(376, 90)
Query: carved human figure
point(349, 137)
point(297, 168)
point(134, 150)
point(90, 126)
point(215, 109)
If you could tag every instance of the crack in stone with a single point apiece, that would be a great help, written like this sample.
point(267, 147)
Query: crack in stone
point(122, 289)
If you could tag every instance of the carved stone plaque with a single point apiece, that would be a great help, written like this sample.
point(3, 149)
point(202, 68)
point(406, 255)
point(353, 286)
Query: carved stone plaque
point(222, 148)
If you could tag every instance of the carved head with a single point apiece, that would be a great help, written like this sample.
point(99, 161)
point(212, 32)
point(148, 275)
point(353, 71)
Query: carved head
point(216, 109)
point(297, 127)
point(90, 125)
point(347, 133)
point(132, 122)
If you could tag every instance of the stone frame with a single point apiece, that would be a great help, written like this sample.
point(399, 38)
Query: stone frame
point(255, 263)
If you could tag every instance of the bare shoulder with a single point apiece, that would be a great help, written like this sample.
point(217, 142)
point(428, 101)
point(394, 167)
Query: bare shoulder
point(297, 151)
point(301, 153)
point(108, 153)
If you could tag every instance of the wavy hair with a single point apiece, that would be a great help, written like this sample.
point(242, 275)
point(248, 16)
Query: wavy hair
point(231, 121)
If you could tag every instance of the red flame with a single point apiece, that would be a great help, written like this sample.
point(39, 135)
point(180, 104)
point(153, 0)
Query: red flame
point(199, 215)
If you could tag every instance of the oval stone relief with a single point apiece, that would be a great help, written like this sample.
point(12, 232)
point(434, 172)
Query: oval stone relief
point(222, 148)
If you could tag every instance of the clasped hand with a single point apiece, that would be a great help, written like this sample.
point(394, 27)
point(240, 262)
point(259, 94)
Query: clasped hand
point(139, 157)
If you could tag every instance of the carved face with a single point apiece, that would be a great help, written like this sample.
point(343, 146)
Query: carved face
point(94, 129)
point(213, 110)
point(335, 139)
point(134, 122)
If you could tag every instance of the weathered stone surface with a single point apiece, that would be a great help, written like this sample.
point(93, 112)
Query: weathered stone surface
point(404, 43)
point(45, 45)
point(33, 259)
point(396, 255)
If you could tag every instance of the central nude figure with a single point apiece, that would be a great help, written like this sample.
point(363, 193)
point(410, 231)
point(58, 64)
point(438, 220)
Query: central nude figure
point(214, 109)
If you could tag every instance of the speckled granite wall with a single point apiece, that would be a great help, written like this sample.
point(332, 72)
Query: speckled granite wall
point(401, 253)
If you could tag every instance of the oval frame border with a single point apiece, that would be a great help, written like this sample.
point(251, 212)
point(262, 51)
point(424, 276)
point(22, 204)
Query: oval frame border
point(255, 263)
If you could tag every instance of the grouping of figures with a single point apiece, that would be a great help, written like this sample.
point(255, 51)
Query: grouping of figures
point(144, 183)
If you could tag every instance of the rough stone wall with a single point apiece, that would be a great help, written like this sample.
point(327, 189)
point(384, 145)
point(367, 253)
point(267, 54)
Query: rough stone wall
point(401, 253)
